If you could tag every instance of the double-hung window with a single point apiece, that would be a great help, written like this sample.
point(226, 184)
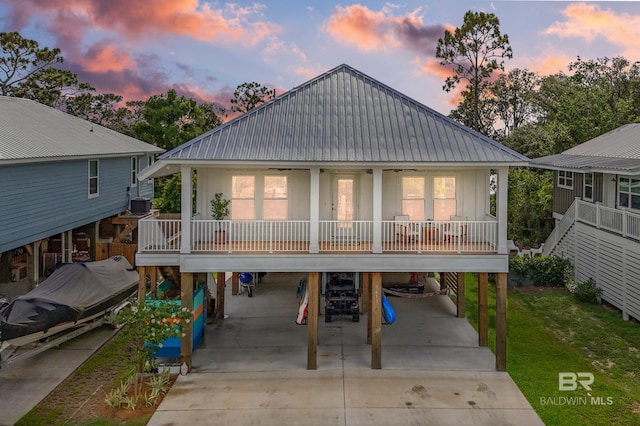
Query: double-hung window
point(444, 197)
point(134, 171)
point(413, 197)
point(243, 198)
point(587, 187)
point(565, 179)
point(93, 178)
point(629, 193)
point(275, 205)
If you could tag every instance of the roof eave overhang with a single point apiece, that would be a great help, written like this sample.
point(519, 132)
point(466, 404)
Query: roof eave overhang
point(17, 161)
point(590, 169)
point(167, 167)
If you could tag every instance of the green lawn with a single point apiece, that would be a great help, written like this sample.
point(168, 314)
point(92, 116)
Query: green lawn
point(549, 332)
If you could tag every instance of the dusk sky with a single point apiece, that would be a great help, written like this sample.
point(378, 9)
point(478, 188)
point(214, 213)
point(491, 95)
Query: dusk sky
point(205, 49)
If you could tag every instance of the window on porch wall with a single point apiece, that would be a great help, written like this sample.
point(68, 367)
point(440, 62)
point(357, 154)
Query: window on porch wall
point(587, 184)
point(413, 197)
point(629, 193)
point(243, 202)
point(275, 205)
point(444, 197)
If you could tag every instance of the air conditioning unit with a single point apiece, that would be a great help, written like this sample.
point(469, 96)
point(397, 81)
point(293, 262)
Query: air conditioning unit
point(140, 205)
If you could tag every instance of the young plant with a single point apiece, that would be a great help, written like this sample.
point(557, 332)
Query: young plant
point(150, 324)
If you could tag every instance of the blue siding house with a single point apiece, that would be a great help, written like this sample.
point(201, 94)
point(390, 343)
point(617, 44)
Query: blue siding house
point(61, 175)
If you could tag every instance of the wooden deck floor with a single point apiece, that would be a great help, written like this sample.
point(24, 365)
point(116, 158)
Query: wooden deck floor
point(365, 247)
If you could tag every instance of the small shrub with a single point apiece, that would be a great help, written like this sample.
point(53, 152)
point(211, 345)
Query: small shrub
point(550, 271)
point(160, 382)
point(587, 291)
point(117, 397)
point(130, 402)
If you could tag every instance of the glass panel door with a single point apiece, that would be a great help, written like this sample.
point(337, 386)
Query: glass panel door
point(343, 205)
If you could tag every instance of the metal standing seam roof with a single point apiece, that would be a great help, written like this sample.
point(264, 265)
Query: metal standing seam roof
point(344, 116)
point(30, 131)
point(617, 151)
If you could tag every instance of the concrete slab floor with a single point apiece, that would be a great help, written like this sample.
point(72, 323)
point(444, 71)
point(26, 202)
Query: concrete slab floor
point(252, 369)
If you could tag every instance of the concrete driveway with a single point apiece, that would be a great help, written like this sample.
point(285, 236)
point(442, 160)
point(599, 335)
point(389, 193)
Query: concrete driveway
point(251, 369)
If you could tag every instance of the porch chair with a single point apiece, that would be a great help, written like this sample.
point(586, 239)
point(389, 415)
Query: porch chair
point(406, 232)
point(455, 230)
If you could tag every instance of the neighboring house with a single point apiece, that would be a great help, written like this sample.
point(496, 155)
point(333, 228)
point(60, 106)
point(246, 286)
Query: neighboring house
point(61, 176)
point(341, 173)
point(596, 204)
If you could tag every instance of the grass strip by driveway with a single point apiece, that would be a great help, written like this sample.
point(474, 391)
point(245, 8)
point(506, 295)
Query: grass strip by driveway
point(549, 332)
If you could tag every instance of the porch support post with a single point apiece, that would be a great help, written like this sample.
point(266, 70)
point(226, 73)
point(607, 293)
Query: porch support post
point(153, 275)
point(377, 210)
point(142, 283)
point(314, 209)
point(366, 298)
point(501, 321)
point(501, 209)
point(185, 209)
point(313, 286)
point(367, 302)
point(220, 282)
point(186, 301)
point(376, 320)
point(235, 284)
point(483, 318)
point(95, 238)
point(36, 263)
point(460, 295)
point(70, 246)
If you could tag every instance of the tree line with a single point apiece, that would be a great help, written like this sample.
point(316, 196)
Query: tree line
point(533, 114)
point(166, 120)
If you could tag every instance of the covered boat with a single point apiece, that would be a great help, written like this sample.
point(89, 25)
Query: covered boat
point(73, 294)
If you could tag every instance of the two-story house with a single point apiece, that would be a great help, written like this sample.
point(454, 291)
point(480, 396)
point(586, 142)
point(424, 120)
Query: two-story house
point(61, 176)
point(596, 204)
point(341, 173)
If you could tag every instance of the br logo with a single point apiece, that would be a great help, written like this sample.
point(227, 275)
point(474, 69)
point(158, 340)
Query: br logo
point(568, 381)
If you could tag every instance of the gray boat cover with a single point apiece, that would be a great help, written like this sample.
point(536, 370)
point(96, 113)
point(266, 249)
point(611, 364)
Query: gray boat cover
point(72, 292)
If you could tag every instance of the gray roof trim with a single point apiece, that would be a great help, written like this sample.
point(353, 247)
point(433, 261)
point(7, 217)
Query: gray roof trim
point(583, 163)
point(167, 167)
point(344, 116)
point(32, 132)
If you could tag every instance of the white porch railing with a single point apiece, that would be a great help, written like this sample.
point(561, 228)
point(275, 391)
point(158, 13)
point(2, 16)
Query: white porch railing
point(164, 235)
point(558, 232)
point(614, 220)
point(433, 236)
point(619, 222)
point(345, 235)
point(249, 235)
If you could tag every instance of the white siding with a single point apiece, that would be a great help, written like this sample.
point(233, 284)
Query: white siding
point(612, 261)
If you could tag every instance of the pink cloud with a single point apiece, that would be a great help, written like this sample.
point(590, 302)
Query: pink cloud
point(98, 39)
point(372, 30)
point(590, 21)
point(137, 19)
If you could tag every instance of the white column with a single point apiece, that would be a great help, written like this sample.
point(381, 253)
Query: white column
point(314, 210)
point(377, 210)
point(501, 208)
point(185, 209)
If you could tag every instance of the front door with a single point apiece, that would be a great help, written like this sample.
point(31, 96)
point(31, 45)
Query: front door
point(344, 208)
point(343, 205)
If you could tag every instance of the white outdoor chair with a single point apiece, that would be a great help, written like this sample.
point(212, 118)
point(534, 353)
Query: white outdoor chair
point(455, 230)
point(406, 232)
